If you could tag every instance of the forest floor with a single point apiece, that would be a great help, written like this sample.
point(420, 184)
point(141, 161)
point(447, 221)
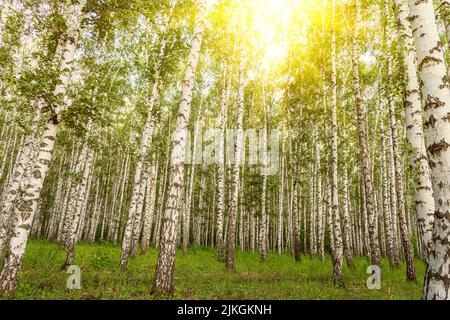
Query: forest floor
point(200, 276)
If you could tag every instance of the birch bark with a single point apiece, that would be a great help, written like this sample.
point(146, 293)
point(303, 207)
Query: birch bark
point(238, 147)
point(25, 209)
point(368, 185)
point(163, 283)
point(436, 95)
point(423, 189)
point(226, 87)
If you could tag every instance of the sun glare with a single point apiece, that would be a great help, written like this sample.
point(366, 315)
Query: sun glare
point(267, 23)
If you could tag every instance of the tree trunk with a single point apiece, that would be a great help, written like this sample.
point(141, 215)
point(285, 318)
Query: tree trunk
point(264, 216)
point(337, 261)
point(296, 222)
point(87, 160)
point(25, 209)
point(423, 190)
point(320, 208)
point(27, 152)
point(163, 283)
point(238, 147)
point(150, 201)
point(146, 138)
point(221, 167)
point(409, 255)
point(280, 209)
point(367, 178)
point(347, 229)
point(436, 94)
point(137, 226)
point(391, 251)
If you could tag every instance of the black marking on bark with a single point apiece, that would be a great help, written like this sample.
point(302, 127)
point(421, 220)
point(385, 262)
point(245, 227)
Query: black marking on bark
point(445, 82)
point(437, 148)
point(37, 174)
point(52, 138)
point(430, 122)
point(438, 47)
point(412, 18)
point(433, 102)
point(25, 226)
point(429, 61)
point(447, 117)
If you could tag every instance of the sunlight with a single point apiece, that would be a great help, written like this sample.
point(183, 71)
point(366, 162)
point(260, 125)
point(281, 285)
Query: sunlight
point(269, 24)
point(275, 54)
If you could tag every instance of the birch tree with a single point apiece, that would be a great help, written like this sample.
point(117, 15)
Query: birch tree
point(368, 185)
point(25, 209)
point(436, 96)
point(234, 194)
point(163, 283)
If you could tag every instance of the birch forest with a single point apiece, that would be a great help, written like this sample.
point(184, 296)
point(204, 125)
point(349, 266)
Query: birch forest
point(225, 149)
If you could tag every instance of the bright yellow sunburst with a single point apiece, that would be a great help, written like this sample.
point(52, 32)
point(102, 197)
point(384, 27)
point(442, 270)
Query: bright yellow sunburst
point(266, 24)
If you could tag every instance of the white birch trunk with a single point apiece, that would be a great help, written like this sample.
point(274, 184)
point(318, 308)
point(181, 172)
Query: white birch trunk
point(25, 209)
point(77, 207)
point(146, 138)
point(238, 147)
point(221, 167)
point(364, 153)
point(423, 190)
point(436, 95)
point(27, 153)
point(149, 208)
point(163, 283)
point(338, 249)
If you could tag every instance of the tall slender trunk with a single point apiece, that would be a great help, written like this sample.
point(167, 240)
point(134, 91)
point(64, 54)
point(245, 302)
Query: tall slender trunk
point(296, 222)
point(238, 147)
point(311, 211)
point(146, 138)
point(320, 208)
point(226, 86)
point(423, 189)
point(75, 186)
point(94, 214)
point(330, 222)
point(25, 209)
point(391, 251)
point(280, 208)
point(162, 193)
point(367, 177)
point(347, 229)
point(338, 251)
point(77, 207)
point(397, 163)
point(200, 216)
point(27, 152)
point(57, 203)
point(190, 191)
point(163, 283)
point(137, 226)
point(436, 95)
point(150, 199)
point(264, 216)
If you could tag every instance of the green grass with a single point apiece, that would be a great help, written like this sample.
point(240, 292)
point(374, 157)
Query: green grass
point(200, 276)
